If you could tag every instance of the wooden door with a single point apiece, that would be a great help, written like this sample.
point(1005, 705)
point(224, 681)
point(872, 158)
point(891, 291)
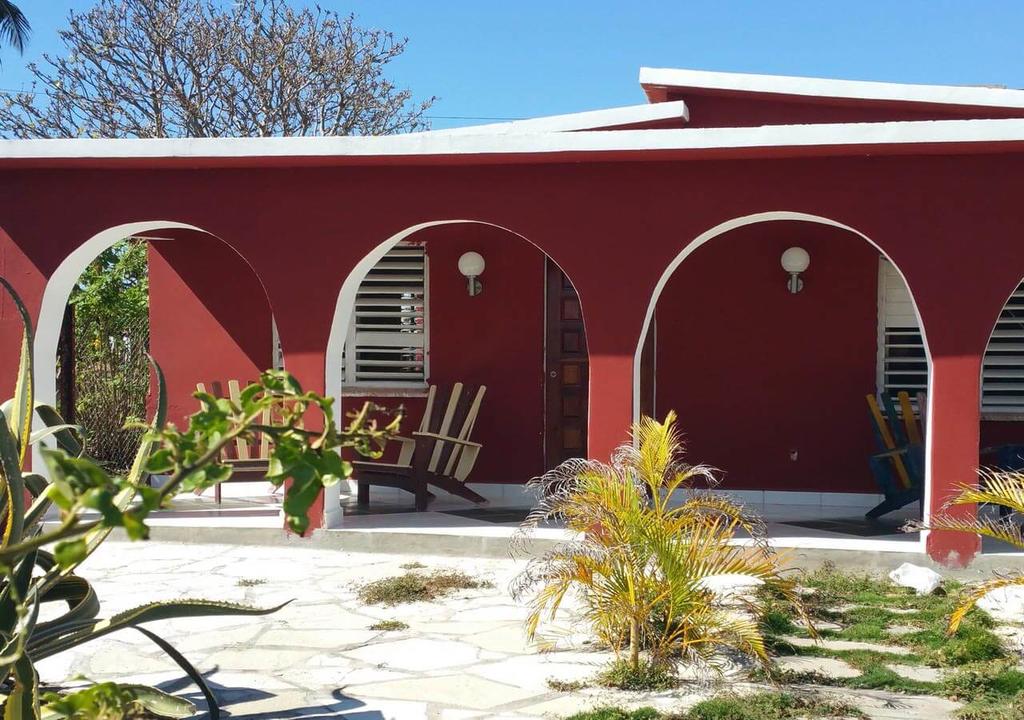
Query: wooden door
point(566, 371)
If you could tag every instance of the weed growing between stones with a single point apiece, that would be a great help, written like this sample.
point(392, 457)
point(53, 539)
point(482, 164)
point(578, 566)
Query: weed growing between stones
point(418, 587)
point(390, 625)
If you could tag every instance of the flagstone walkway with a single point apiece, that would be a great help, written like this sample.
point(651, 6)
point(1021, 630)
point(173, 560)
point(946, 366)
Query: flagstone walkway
point(460, 659)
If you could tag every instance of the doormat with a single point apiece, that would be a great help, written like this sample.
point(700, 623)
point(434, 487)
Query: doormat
point(492, 515)
point(851, 526)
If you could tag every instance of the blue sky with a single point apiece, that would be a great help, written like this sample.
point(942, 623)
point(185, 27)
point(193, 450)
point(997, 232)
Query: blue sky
point(519, 59)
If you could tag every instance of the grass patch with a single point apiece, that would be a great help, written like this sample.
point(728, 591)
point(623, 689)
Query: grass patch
point(769, 706)
point(990, 691)
point(414, 565)
point(418, 587)
point(620, 674)
point(566, 685)
point(250, 582)
point(865, 606)
point(759, 706)
point(389, 625)
point(614, 713)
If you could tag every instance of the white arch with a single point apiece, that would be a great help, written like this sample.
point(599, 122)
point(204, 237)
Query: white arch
point(773, 216)
point(58, 291)
point(339, 329)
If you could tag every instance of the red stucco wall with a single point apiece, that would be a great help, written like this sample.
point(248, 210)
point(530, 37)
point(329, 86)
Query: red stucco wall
point(209, 317)
point(754, 371)
point(494, 339)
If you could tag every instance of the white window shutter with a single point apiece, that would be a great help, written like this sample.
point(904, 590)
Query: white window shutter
point(902, 359)
point(386, 345)
point(1002, 377)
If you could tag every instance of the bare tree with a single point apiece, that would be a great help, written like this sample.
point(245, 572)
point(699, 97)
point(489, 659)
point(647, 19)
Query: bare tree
point(199, 68)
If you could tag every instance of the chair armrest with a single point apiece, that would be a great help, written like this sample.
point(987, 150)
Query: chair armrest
point(891, 453)
point(445, 438)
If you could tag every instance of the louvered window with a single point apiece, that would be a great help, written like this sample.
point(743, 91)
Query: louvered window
point(1002, 377)
point(902, 359)
point(386, 344)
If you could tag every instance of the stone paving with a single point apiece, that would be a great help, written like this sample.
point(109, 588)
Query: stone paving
point(461, 659)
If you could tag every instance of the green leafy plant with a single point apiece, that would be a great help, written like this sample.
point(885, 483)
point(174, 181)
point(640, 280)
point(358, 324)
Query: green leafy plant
point(650, 544)
point(109, 364)
point(113, 701)
point(91, 503)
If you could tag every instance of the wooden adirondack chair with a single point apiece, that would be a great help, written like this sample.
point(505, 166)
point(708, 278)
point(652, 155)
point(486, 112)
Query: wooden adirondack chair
point(439, 453)
point(251, 460)
point(899, 466)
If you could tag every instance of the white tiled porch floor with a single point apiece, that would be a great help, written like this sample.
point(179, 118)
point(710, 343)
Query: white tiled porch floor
point(391, 512)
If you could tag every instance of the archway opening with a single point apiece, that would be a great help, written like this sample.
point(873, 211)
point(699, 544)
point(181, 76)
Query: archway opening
point(406, 320)
point(771, 385)
point(1002, 388)
point(162, 288)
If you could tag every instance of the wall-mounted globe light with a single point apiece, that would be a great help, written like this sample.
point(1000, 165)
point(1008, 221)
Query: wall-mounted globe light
point(795, 261)
point(471, 264)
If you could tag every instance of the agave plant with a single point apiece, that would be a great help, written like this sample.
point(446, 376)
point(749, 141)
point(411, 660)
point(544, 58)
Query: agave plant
point(1003, 488)
point(38, 559)
point(650, 547)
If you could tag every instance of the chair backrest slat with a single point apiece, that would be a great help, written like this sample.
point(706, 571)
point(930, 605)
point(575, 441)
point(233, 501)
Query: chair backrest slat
point(468, 421)
point(428, 410)
point(241, 444)
point(450, 451)
point(443, 426)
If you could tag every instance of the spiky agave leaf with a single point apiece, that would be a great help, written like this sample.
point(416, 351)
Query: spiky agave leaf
point(23, 702)
point(47, 645)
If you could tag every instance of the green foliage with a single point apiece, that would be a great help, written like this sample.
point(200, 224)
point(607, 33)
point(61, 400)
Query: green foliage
point(648, 541)
point(91, 503)
point(770, 706)
point(766, 705)
point(110, 305)
point(389, 626)
point(646, 676)
point(112, 701)
point(992, 680)
point(990, 690)
point(418, 587)
point(613, 713)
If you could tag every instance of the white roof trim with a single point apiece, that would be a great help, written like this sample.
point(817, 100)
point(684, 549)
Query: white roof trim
point(820, 87)
point(590, 120)
point(431, 144)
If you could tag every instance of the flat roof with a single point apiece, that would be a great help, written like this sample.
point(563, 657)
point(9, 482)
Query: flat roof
point(780, 140)
point(976, 96)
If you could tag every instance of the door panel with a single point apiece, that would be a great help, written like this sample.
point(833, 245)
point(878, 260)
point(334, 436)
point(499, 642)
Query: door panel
point(566, 371)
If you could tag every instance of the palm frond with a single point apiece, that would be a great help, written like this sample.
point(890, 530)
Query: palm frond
point(1005, 530)
point(14, 26)
point(977, 593)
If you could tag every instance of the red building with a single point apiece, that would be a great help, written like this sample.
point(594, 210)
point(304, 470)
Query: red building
point(660, 227)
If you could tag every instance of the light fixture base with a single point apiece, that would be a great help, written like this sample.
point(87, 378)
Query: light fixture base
point(796, 283)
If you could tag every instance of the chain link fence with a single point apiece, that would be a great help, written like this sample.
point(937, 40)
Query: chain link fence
point(104, 383)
